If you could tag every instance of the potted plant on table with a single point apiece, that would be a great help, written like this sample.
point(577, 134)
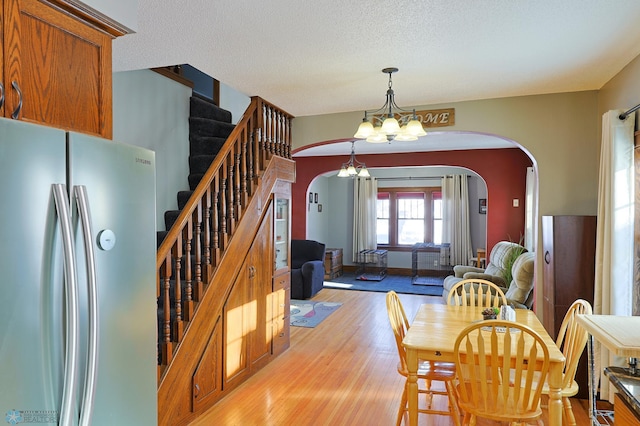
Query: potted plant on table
point(490, 313)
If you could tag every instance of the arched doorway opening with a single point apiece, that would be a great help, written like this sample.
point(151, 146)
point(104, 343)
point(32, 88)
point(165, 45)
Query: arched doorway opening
point(501, 164)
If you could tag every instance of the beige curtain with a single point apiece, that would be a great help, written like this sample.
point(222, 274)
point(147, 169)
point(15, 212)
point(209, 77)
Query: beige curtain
point(365, 195)
point(614, 238)
point(455, 218)
point(531, 213)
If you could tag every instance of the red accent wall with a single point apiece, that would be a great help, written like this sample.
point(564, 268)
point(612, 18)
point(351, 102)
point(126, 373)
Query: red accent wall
point(504, 171)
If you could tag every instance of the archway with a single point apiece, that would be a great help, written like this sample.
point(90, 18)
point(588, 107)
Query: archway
point(502, 164)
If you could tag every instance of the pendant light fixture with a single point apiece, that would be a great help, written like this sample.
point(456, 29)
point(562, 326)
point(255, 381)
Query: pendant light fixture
point(353, 167)
point(384, 126)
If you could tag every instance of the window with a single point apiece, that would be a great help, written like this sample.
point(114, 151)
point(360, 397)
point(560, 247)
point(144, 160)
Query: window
point(406, 216)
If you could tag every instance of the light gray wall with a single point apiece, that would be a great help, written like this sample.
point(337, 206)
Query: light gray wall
point(621, 92)
point(234, 101)
point(152, 111)
point(317, 221)
point(334, 226)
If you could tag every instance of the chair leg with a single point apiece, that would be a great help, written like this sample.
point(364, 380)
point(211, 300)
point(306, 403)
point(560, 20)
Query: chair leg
point(403, 406)
point(567, 413)
point(453, 403)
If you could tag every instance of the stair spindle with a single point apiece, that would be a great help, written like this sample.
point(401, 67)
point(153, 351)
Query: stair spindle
point(231, 190)
point(198, 287)
point(188, 259)
point(166, 347)
point(177, 258)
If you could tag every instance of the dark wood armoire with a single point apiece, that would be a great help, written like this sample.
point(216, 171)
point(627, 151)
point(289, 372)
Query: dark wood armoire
point(569, 247)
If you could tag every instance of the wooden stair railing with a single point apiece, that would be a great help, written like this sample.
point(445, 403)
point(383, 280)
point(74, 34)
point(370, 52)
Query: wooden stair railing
point(207, 223)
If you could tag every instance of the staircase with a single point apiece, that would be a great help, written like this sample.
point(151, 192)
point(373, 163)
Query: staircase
point(209, 128)
point(234, 170)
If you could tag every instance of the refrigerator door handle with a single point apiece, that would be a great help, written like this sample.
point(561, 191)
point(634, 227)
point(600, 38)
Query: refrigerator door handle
point(86, 409)
point(71, 307)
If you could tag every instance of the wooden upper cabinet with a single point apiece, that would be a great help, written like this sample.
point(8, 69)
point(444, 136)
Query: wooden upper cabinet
point(56, 67)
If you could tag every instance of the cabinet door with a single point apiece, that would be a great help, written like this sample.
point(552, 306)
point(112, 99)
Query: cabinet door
point(206, 379)
point(568, 272)
point(261, 321)
point(282, 311)
point(60, 66)
point(235, 321)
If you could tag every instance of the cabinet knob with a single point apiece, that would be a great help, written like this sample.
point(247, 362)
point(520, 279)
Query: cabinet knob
point(547, 257)
point(1, 95)
point(197, 390)
point(16, 112)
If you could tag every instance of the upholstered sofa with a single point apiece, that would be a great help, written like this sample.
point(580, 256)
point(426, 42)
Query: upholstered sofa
point(520, 291)
point(494, 272)
point(307, 268)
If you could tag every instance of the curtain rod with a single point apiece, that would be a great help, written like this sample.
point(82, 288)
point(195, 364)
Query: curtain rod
point(624, 115)
point(415, 178)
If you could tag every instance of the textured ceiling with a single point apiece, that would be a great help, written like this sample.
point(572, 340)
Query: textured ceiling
point(325, 56)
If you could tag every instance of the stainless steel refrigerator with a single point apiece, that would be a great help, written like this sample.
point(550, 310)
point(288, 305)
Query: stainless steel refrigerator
point(77, 279)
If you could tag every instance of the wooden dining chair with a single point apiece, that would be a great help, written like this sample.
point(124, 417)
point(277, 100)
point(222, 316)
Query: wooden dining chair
point(501, 349)
point(476, 292)
point(428, 371)
point(571, 339)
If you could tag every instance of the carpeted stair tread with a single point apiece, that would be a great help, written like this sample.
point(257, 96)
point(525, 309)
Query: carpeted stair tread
point(199, 106)
point(160, 236)
point(208, 127)
point(205, 145)
point(194, 180)
point(183, 198)
point(170, 217)
point(198, 164)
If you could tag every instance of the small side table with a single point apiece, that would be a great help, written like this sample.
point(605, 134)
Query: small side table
point(332, 263)
point(619, 334)
point(481, 258)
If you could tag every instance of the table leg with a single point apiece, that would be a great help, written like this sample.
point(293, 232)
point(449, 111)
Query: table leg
point(592, 390)
point(412, 386)
point(555, 394)
point(594, 413)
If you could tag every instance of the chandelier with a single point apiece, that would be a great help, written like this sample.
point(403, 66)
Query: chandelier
point(384, 126)
point(353, 167)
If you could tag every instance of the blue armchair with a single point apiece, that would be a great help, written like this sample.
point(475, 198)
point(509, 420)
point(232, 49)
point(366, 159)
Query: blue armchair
point(307, 268)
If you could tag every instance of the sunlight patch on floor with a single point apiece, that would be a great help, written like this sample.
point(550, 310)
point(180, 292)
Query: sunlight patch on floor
point(339, 285)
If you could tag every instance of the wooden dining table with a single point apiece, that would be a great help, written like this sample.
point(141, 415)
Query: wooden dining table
point(432, 336)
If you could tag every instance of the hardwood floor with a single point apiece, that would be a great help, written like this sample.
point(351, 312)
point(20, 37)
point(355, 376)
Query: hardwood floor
point(342, 372)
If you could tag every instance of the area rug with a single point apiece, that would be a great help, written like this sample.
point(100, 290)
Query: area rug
point(305, 313)
point(431, 286)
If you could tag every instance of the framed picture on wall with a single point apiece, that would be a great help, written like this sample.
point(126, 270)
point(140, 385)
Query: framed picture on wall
point(315, 199)
point(310, 197)
point(319, 208)
point(483, 206)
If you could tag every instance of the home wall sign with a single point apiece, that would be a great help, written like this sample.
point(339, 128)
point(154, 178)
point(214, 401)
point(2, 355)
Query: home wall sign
point(437, 117)
point(429, 117)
